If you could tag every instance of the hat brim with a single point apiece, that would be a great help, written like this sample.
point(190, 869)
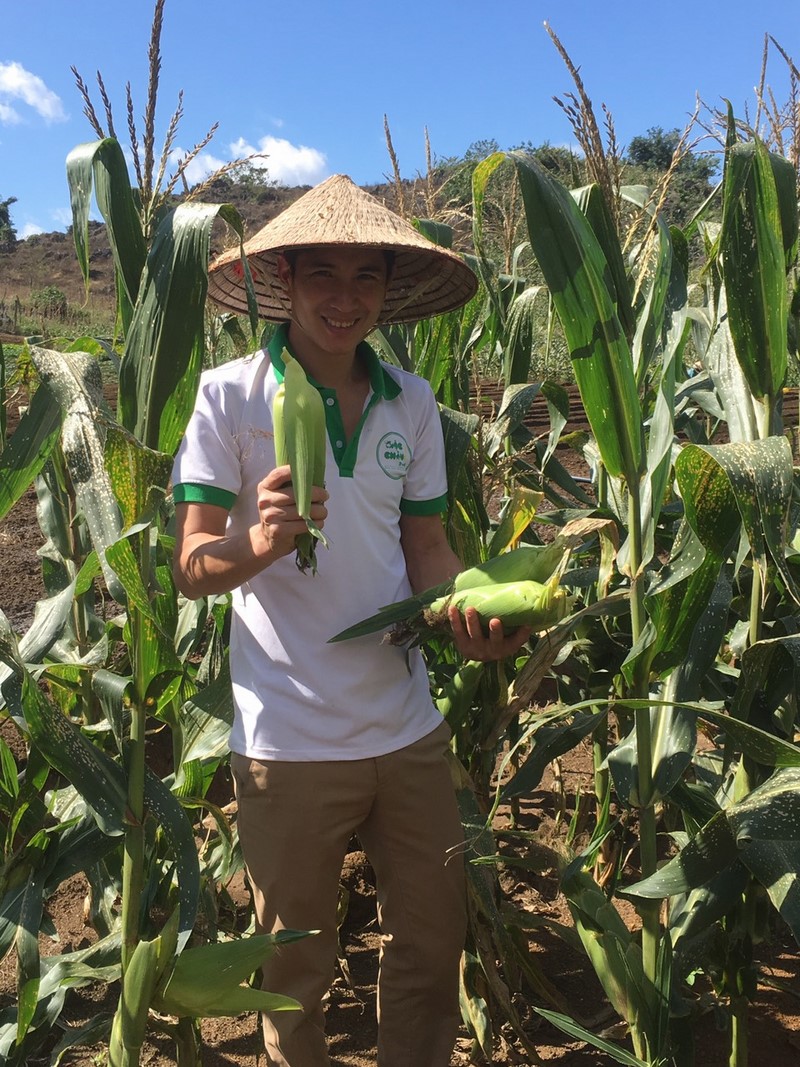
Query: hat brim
point(422, 284)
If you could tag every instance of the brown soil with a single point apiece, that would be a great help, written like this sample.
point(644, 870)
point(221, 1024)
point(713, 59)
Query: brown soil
point(775, 1012)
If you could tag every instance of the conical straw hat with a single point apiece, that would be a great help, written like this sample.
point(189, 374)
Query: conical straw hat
point(425, 280)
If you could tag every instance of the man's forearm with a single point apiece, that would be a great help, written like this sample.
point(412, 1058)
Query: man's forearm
point(210, 564)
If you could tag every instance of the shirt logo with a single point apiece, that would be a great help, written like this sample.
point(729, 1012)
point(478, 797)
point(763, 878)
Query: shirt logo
point(394, 455)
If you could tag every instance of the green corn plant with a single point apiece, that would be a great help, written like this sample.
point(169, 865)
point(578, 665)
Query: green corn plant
point(574, 267)
point(566, 247)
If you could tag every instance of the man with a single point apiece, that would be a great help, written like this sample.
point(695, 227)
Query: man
point(329, 740)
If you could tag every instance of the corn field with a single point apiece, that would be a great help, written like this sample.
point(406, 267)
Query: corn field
point(675, 648)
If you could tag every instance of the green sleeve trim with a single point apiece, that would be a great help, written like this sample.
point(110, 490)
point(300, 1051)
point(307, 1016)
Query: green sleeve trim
point(424, 507)
point(192, 493)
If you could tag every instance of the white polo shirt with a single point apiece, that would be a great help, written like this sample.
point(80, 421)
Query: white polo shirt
point(297, 697)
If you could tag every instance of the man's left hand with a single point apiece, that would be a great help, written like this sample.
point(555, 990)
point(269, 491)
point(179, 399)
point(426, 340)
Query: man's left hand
point(473, 643)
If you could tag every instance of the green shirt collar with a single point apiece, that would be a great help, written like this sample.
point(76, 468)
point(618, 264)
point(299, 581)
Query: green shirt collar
point(383, 384)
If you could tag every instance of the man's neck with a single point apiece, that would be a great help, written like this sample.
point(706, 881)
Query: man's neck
point(333, 370)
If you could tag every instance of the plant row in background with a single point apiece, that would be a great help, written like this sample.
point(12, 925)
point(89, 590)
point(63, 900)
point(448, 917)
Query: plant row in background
point(680, 553)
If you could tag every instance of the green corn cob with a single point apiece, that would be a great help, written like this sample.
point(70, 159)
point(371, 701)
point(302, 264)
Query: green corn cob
point(301, 434)
point(524, 603)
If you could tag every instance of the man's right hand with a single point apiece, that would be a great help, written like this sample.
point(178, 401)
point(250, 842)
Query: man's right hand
point(279, 520)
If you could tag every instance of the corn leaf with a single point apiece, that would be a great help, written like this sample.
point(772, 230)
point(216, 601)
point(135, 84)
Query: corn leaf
point(206, 981)
point(139, 476)
point(762, 832)
point(743, 412)
point(493, 940)
point(546, 744)
point(168, 814)
point(104, 160)
point(753, 479)
point(607, 941)
point(672, 740)
point(442, 348)
point(98, 779)
point(769, 679)
point(760, 745)
point(771, 812)
point(517, 515)
point(656, 267)
point(158, 662)
point(481, 177)
point(669, 341)
point(692, 913)
point(40, 858)
point(754, 267)
point(29, 448)
point(688, 603)
point(573, 1029)
point(578, 277)
point(93, 1032)
point(472, 991)
point(206, 719)
point(99, 962)
point(707, 854)
point(49, 617)
point(520, 335)
point(438, 232)
point(81, 844)
point(74, 379)
point(517, 401)
point(594, 206)
point(392, 613)
point(774, 864)
point(466, 513)
point(164, 348)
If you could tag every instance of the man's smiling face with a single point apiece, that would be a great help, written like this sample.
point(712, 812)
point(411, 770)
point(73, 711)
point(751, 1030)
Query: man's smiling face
point(337, 295)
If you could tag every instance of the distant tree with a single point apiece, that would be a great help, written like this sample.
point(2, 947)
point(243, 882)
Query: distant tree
point(691, 180)
point(479, 150)
point(50, 302)
point(656, 148)
point(562, 162)
point(8, 235)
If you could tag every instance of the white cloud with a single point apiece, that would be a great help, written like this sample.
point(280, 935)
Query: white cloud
point(62, 216)
point(286, 163)
point(17, 83)
point(30, 229)
point(8, 116)
point(200, 168)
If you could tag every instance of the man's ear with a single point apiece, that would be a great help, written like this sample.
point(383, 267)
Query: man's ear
point(284, 270)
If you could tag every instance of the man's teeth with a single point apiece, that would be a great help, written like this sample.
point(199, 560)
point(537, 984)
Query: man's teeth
point(341, 325)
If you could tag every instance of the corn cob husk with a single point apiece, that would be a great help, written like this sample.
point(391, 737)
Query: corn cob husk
point(298, 416)
point(516, 604)
point(534, 563)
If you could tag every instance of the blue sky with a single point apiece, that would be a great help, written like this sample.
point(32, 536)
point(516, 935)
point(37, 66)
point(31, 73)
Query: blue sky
point(309, 81)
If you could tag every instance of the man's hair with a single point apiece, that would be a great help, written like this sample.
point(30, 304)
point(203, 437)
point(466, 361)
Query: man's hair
point(291, 254)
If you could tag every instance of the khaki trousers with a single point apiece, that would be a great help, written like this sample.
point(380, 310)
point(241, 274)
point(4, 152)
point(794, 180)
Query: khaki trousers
point(295, 823)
